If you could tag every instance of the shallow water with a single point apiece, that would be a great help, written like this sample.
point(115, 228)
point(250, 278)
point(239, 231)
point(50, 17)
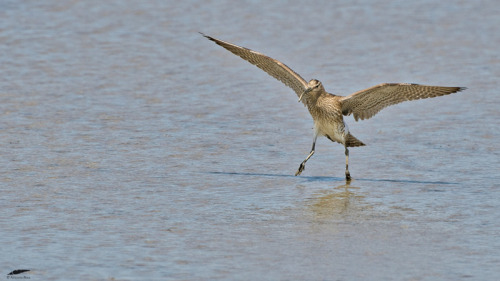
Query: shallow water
point(133, 148)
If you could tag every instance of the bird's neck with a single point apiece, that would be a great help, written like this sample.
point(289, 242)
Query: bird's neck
point(312, 97)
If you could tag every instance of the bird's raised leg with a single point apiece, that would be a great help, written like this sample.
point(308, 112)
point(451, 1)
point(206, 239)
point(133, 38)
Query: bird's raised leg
point(347, 174)
point(303, 164)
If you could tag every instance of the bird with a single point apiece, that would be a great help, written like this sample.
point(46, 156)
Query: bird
point(328, 110)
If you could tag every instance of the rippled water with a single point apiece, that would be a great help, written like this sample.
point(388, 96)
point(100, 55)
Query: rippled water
point(132, 148)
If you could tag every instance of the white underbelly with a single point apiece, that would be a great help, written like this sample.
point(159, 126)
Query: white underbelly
point(333, 130)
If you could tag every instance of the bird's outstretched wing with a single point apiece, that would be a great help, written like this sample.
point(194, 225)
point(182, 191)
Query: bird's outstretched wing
point(366, 103)
point(273, 67)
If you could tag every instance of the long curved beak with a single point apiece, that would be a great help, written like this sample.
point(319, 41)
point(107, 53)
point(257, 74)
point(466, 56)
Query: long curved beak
point(305, 92)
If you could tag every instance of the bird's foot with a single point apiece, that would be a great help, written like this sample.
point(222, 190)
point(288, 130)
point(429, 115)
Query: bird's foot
point(302, 167)
point(347, 176)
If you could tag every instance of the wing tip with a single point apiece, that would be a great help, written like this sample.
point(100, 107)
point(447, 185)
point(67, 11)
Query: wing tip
point(206, 36)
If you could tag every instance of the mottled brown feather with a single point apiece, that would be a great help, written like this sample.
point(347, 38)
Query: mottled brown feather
point(273, 67)
point(366, 103)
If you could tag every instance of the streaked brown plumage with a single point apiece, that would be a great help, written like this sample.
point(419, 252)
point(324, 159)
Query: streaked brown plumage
point(326, 109)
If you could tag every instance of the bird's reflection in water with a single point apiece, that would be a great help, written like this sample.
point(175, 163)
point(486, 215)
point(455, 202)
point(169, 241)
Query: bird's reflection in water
point(337, 203)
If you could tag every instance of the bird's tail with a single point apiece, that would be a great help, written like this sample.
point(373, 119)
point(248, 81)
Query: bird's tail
point(351, 141)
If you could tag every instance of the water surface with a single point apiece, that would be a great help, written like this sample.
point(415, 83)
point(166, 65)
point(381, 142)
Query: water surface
point(133, 148)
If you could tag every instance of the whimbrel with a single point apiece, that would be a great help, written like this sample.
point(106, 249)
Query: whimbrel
point(326, 109)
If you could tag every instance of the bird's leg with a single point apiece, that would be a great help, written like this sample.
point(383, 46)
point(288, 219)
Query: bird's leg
point(303, 164)
point(347, 174)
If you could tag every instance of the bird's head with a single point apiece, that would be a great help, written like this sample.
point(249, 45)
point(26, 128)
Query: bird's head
point(313, 86)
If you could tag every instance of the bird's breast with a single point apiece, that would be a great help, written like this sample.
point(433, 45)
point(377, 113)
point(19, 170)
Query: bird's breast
point(326, 110)
point(330, 125)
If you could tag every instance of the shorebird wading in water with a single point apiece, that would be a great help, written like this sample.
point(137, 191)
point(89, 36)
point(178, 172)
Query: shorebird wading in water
point(326, 109)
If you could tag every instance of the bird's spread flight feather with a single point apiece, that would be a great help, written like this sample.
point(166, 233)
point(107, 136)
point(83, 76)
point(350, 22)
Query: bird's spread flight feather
point(366, 103)
point(363, 104)
point(273, 67)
